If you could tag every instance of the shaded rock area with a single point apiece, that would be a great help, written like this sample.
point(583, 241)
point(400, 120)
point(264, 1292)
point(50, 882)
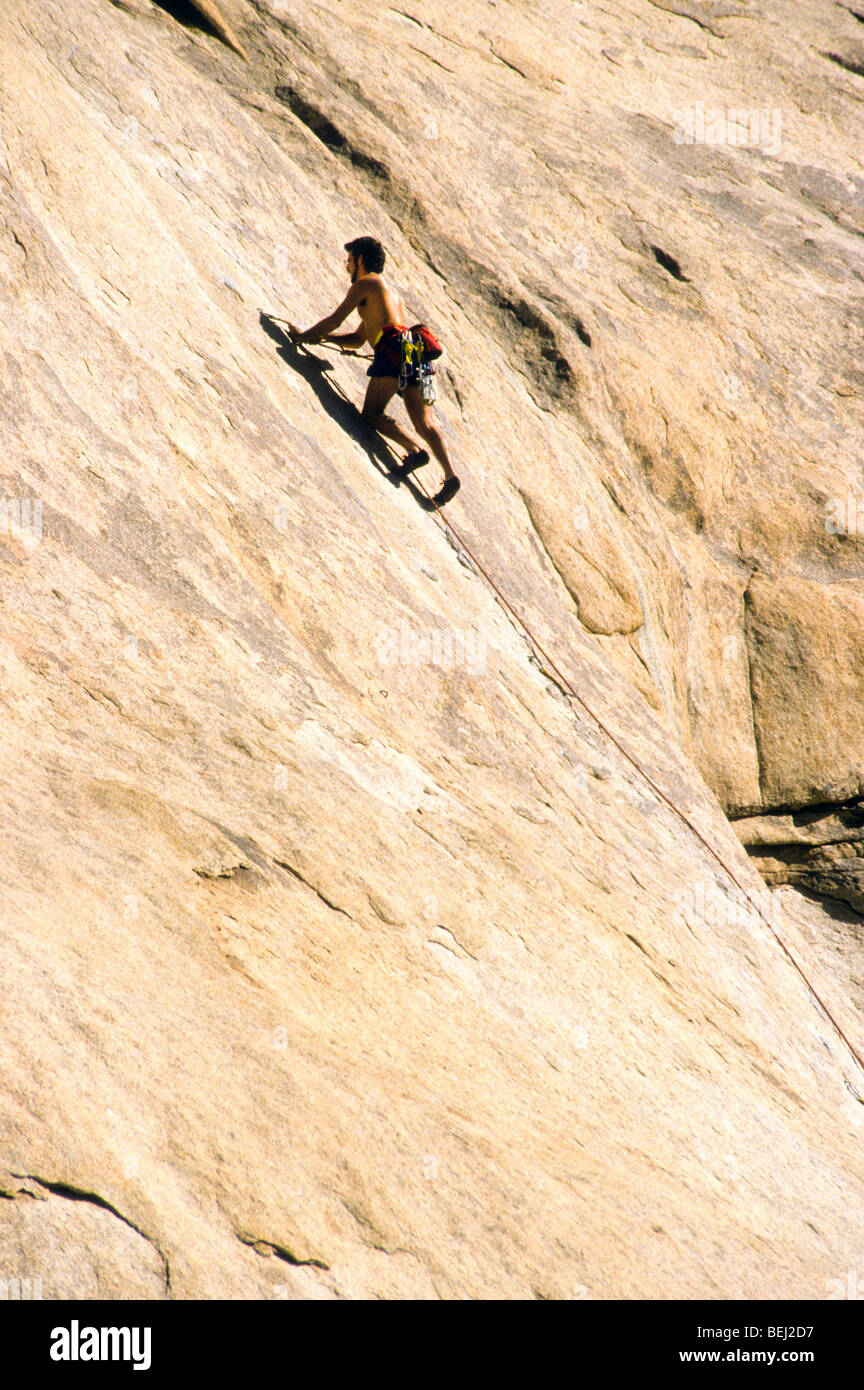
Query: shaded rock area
point(820, 849)
point(344, 953)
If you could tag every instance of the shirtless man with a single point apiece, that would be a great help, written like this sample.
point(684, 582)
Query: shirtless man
point(382, 313)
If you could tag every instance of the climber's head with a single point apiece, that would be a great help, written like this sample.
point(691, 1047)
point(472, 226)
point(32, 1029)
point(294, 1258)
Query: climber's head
point(366, 256)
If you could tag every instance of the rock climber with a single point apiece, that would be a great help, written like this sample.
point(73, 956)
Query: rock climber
point(383, 321)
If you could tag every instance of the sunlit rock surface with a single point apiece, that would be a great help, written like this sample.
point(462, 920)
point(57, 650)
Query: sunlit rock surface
point(343, 953)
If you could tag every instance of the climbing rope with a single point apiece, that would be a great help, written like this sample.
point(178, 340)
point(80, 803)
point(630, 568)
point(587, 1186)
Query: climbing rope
point(568, 688)
point(573, 694)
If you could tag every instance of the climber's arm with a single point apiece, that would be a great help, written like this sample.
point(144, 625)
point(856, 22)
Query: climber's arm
point(346, 341)
point(324, 328)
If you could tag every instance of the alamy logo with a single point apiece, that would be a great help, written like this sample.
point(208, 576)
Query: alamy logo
point(713, 906)
point(736, 126)
point(446, 647)
point(844, 516)
point(21, 516)
point(74, 1343)
point(21, 1289)
point(851, 1287)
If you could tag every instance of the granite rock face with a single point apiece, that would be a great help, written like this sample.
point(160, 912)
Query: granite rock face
point(345, 955)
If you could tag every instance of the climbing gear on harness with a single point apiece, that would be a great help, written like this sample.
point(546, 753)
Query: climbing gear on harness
point(387, 328)
point(418, 349)
point(431, 346)
point(427, 386)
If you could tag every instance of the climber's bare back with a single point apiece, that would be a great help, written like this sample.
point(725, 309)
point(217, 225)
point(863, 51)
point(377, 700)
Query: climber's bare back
point(378, 304)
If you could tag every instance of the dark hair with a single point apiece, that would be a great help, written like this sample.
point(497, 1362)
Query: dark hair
point(370, 249)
